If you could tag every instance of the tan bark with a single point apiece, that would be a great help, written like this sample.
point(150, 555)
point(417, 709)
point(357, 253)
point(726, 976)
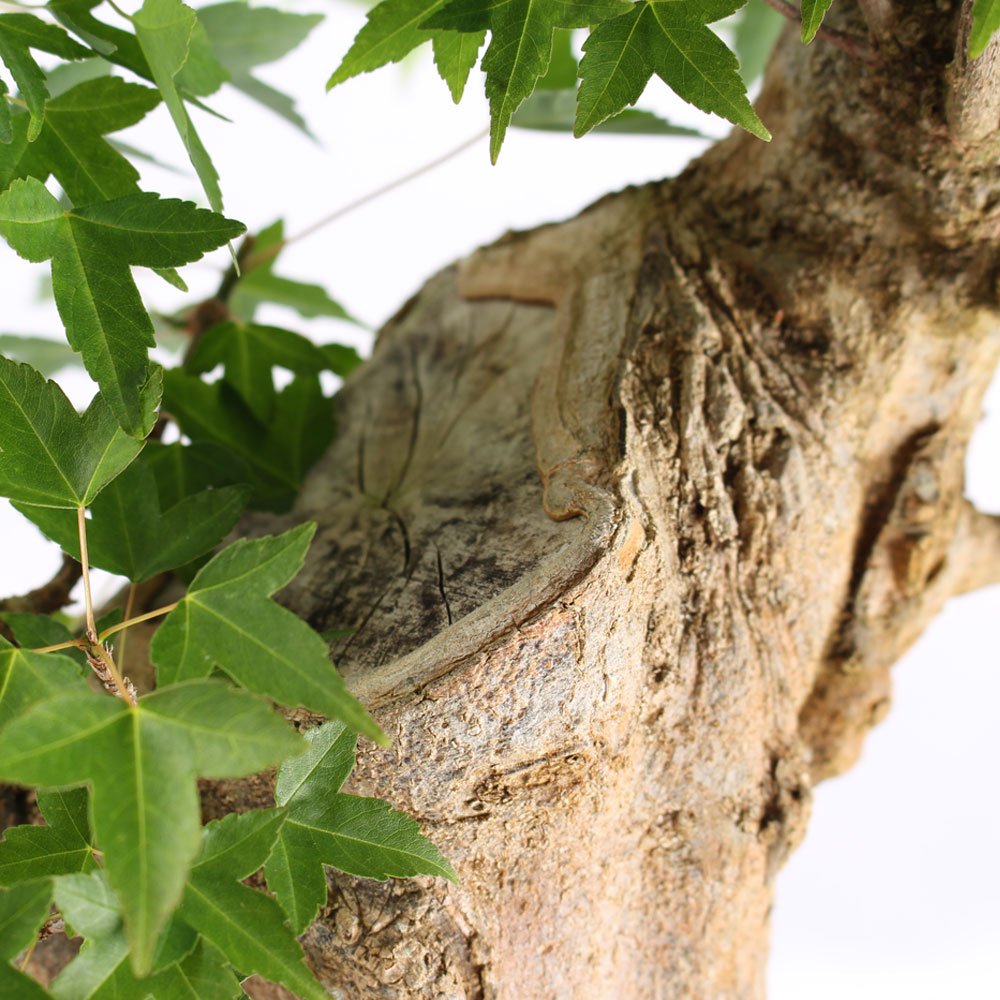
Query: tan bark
point(631, 516)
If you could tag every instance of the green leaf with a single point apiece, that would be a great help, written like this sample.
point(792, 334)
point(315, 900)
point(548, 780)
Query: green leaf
point(392, 30)
point(36, 631)
point(72, 147)
point(23, 910)
point(754, 35)
point(18, 34)
point(455, 53)
point(49, 454)
point(521, 44)
point(91, 249)
point(261, 284)
point(243, 37)
point(361, 836)
point(183, 470)
point(60, 848)
point(16, 984)
point(985, 22)
point(131, 535)
point(113, 44)
point(48, 356)
point(6, 129)
point(164, 30)
point(27, 678)
point(141, 764)
point(249, 352)
point(670, 38)
point(813, 12)
point(227, 620)
point(277, 455)
point(247, 926)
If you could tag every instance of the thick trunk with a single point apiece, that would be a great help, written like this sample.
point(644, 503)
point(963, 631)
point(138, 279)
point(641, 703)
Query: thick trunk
point(631, 516)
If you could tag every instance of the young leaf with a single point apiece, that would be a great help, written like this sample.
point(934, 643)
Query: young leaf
point(91, 249)
point(261, 284)
point(985, 22)
point(455, 53)
point(49, 454)
point(247, 926)
point(27, 677)
point(72, 147)
point(141, 764)
point(361, 836)
point(164, 30)
point(131, 535)
point(226, 619)
point(393, 30)
point(520, 46)
point(249, 352)
point(60, 848)
point(670, 38)
point(243, 37)
point(813, 12)
point(277, 455)
point(18, 34)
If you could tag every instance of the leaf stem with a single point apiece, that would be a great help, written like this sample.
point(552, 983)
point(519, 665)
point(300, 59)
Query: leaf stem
point(88, 600)
point(255, 260)
point(129, 622)
point(72, 644)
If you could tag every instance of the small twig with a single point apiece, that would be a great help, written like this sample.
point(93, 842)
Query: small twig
point(255, 260)
point(852, 44)
point(72, 644)
point(103, 664)
point(81, 521)
point(139, 618)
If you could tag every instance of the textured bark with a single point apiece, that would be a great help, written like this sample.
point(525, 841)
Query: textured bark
point(631, 516)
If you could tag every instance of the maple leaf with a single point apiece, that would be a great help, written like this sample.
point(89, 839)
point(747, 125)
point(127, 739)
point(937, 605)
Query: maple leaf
point(140, 764)
point(102, 970)
point(49, 454)
point(226, 619)
point(669, 38)
point(455, 54)
point(91, 250)
point(520, 45)
point(19, 33)
point(247, 926)
point(61, 847)
point(360, 836)
point(130, 534)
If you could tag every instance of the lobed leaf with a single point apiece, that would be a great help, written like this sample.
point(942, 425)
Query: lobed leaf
point(669, 38)
point(227, 620)
point(62, 847)
point(141, 764)
point(50, 455)
point(91, 249)
point(247, 926)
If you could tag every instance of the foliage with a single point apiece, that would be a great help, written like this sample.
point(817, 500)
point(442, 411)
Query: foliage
point(160, 899)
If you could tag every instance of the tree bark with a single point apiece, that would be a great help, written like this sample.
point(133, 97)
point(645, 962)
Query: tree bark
point(631, 516)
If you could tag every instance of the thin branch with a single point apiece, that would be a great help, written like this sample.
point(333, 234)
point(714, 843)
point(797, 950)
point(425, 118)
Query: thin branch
point(853, 45)
point(88, 600)
point(72, 644)
point(103, 664)
point(159, 612)
point(255, 260)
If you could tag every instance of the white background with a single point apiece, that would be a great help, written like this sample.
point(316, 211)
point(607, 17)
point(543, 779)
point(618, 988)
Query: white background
point(895, 891)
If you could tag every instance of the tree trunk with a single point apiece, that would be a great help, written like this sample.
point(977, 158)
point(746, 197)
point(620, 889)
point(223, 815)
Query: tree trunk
point(630, 517)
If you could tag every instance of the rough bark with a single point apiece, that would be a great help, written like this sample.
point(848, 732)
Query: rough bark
point(631, 516)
